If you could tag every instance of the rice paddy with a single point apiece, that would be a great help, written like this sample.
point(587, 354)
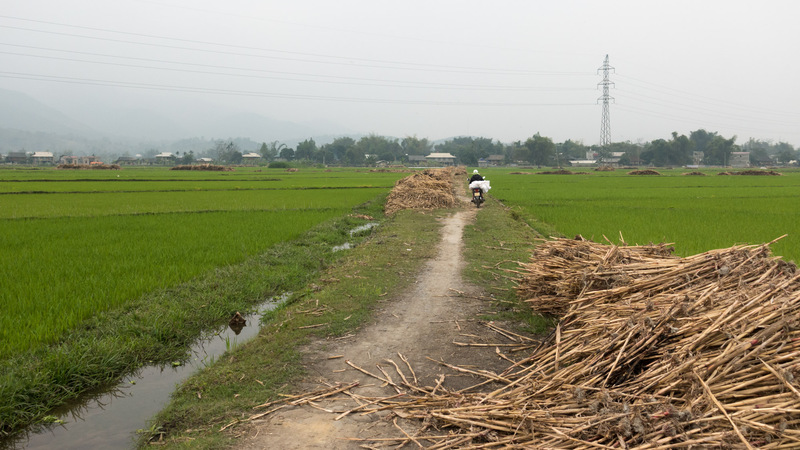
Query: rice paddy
point(695, 213)
point(79, 242)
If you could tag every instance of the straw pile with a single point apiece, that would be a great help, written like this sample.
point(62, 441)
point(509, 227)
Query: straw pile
point(653, 351)
point(758, 172)
point(430, 189)
point(561, 172)
point(100, 166)
point(644, 172)
point(208, 167)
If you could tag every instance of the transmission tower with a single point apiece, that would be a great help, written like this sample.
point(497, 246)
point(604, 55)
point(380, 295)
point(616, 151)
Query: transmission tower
point(605, 121)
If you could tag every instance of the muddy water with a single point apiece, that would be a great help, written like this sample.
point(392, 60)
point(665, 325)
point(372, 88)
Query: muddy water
point(109, 418)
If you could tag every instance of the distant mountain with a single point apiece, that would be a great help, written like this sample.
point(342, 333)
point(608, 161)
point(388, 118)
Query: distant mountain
point(257, 127)
point(22, 112)
point(139, 123)
point(96, 127)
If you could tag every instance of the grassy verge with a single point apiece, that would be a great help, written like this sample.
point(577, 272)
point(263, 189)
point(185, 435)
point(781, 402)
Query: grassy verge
point(160, 326)
point(340, 300)
point(494, 244)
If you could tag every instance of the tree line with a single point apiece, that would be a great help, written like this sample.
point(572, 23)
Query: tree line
point(699, 147)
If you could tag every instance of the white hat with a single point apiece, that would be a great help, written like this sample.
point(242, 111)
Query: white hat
point(475, 171)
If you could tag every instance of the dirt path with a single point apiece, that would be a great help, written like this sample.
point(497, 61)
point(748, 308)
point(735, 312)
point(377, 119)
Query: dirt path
point(419, 323)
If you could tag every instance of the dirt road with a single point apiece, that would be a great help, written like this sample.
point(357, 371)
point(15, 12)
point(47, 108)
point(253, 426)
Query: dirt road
point(418, 324)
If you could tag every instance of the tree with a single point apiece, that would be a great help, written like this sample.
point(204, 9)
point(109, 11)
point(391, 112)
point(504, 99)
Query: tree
point(758, 155)
point(469, 150)
point(571, 150)
point(187, 158)
point(718, 152)
point(412, 145)
point(382, 148)
point(323, 155)
point(701, 139)
point(630, 152)
point(354, 156)
point(227, 152)
point(287, 153)
point(305, 149)
point(680, 150)
point(786, 155)
point(675, 152)
point(518, 152)
point(541, 150)
point(271, 151)
point(338, 148)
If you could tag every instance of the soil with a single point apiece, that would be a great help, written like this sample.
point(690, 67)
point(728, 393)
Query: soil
point(420, 323)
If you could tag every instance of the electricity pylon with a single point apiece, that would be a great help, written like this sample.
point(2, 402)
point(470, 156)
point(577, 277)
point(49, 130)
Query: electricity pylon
point(605, 120)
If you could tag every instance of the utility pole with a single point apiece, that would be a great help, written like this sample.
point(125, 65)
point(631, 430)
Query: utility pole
point(605, 121)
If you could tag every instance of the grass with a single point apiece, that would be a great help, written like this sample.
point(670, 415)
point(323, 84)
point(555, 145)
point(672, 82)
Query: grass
point(494, 245)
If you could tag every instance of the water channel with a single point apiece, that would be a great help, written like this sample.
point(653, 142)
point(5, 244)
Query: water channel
point(109, 418)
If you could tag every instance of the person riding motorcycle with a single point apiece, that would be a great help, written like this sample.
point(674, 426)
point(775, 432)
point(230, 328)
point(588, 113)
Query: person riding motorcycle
point(477, 189)
point(475, 176)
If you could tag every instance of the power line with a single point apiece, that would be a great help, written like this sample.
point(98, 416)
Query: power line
point(337, 60)
point(324, 78)
point(699, 98)
point(174, 88)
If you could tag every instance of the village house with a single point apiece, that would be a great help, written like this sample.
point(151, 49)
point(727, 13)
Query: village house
point(78, 160)
point(165, 158)
point(251, 158)
point(43, 158)
point(444, 159)
point(740, 159)
point(17, 158)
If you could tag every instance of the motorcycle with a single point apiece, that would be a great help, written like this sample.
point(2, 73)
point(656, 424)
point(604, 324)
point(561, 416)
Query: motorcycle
point(477, 196)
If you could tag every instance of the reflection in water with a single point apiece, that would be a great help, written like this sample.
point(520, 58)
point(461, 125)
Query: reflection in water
point(237, 323)
point(109, 417)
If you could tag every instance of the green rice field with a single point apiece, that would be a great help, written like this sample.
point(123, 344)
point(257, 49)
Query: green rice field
point(695, 213)
point(79, 242)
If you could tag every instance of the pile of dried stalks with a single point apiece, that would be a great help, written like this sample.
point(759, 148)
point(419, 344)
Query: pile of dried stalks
point(655, 351)
point(758, 172)
point(207, 167)
point(652, 352)
point(89, 166)
point(430, 189)
point(644, 172)
point(561, 172)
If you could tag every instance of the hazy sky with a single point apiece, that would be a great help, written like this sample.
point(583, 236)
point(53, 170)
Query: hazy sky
point(504, 69)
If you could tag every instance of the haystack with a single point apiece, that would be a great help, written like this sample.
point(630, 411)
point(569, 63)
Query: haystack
point(430, 189)
point(644, 172)
point(656, 351)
